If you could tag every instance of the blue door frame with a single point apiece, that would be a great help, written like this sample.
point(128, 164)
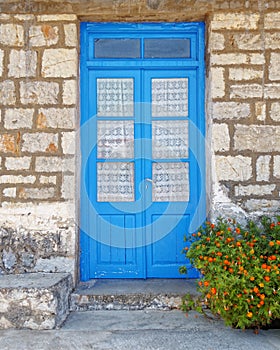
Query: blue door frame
point(142, 236)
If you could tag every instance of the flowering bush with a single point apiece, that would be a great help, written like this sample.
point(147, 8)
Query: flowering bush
point(241, 271)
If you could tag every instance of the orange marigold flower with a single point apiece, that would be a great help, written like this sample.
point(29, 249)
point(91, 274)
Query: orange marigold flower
point(230, 270)
point(271, 243)
point(208, 295)
point(278, 242)
point(249, 314)
point(212, 226)
point(200, 283)
point(210, 259)
point(262, 296)
point(213, 291)
point(229, 229)
point(264, 266)
point(266, 278)
point(261, 285)
point(261, 302)
point(219, 254)
point(207, 239)
point(252, 278)
point(237, 230)
point(238, 244)
point(206, 283)
point(256, 289)
point(272, 225)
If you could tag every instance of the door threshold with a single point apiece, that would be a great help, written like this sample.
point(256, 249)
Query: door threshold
point(131, 294)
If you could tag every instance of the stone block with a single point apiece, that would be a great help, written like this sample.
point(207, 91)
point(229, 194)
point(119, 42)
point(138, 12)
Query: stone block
point(56, 118)
point(38, 92)
point(37, 193)
point(274, 73)
point(17, 179)
point(40, 142)
point(257, 138)
point(272, 91)
point(272, 20)
point(8, 143)
point(7, 92)
point(276, 166)
point(70, 32)
point(263, 168)
point(231, 110)
point(68, 187)
point(230, 168)
point(25, 18)
point(10, 192)
point(58, 63)
point(217, 82)
point(260, 111)
point(225, 59)
point(238, 74)
point(17, 163)
point(18, 118)
point(44, 35)
point(272, 40)
point(57, 18)
point(69, 94)
point(262, 206)
point(275, 111)
point(232, 21)
point(246, 91)
point(11, 34)
point(220, 137)
point(34, 300)
point(47, 180)
point(248, 41)
point(1, 62)
point(54, 164)
point(68, 142)
point(22, 63)
point(256, 58)
point(254, 190)
point(216, 42)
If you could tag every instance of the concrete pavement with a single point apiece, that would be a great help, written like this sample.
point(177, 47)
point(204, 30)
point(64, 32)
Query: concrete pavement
point(146, 329)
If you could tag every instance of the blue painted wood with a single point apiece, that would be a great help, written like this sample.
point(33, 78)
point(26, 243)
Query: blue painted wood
point(126, 240)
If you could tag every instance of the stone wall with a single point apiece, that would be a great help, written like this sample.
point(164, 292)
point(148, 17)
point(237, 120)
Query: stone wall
point(38, 98)
point(39, 115)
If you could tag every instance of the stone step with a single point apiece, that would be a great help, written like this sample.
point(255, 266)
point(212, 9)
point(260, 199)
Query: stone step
point(129, 294)
point(34, 300)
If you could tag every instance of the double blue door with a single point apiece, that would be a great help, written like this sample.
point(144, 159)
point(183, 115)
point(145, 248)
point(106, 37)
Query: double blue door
point(142, 142)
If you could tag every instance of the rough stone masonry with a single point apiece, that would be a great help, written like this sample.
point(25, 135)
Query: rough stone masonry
point(39, 116)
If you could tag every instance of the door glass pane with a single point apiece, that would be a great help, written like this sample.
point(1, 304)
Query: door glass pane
point(170, 97)
point(115, 139)
point(170, 139)
point(115, 182)
point(170, 182)
point(115, 97)
point(167, 48)
point(117, 48)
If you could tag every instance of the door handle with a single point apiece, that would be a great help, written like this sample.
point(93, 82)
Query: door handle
point(149, 180)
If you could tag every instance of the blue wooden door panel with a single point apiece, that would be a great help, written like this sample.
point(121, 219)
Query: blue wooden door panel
point(142, 145)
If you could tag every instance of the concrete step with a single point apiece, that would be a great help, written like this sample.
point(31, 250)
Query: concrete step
point(130, 294)
point(34, 300)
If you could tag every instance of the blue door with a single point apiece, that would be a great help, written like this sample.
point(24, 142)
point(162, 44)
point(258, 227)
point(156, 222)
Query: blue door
point(142, 145)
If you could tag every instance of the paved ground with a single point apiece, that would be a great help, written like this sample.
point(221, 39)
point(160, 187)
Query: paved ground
point(125, 330)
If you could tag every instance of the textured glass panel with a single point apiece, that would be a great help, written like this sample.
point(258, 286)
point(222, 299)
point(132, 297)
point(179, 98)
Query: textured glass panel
point(170, 182)
point(117, 48)
point(115, 97)
point(170, 97)
point(167, 48)
point(115, 139)
point(115, 182)
point(170, 139)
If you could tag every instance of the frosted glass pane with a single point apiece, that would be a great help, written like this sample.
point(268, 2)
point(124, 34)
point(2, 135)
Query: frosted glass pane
point(170, 97)
point(115, 97)
point(170, 182)
point(115, 182)
point(117, 48)
point(167, 48)
point(115, 139)
point(170, 139)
